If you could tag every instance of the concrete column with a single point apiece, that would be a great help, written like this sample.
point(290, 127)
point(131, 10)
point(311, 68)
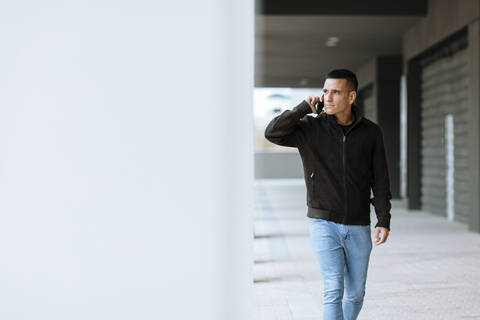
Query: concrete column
point(414, 168)
point(474, 127)
point(380, 77)
point(126, 159)
point(388, 74)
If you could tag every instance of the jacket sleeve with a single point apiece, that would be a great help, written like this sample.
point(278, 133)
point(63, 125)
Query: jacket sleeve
point(381, 183)
point(286, 128)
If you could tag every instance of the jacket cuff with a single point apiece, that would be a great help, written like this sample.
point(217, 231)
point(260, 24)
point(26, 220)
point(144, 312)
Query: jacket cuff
point(383, 221)
point(302, 108)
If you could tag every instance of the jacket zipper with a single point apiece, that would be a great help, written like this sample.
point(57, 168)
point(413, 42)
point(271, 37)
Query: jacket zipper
point(344, 174)
point(344, 159)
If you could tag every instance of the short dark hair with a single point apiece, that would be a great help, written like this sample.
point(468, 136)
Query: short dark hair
point(344, 74)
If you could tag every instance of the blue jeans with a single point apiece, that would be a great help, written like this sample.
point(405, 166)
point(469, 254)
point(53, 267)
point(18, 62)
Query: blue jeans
point(342, 252)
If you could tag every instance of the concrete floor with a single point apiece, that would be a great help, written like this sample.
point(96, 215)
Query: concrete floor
point(428, 269)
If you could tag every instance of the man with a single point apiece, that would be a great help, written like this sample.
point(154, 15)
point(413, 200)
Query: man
point(343, 158)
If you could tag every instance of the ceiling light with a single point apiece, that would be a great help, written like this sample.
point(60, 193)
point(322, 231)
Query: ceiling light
point(332, 41)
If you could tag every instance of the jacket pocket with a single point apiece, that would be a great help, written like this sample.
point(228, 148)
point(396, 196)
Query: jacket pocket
point(312, 185)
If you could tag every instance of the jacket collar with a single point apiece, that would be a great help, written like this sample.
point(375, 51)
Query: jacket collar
point(356, 112)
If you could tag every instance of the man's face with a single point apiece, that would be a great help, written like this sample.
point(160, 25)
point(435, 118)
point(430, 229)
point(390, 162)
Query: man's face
point(337, 95)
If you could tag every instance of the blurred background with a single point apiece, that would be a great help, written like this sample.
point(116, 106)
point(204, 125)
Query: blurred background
point(135, 181)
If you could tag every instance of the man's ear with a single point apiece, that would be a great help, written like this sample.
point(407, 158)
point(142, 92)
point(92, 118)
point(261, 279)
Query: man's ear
point(352, 96)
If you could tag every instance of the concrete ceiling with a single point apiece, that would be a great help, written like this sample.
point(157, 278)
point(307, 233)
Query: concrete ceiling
point(290, 50)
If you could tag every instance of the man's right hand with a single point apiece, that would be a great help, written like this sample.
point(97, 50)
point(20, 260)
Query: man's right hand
point(312, 101)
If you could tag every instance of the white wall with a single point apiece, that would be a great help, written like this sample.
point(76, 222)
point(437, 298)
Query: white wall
point(126, 159)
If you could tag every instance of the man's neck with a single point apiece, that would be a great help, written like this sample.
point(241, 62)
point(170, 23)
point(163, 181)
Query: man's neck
point(345, 118)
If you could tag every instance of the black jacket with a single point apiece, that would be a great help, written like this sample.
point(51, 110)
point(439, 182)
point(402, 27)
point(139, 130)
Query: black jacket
point(339, 170)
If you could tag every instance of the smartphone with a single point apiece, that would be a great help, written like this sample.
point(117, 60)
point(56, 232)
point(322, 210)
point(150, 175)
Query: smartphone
point(320, 107)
